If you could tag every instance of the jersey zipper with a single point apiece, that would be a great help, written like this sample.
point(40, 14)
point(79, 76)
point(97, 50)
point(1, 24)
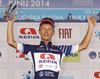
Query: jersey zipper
point(47, 47)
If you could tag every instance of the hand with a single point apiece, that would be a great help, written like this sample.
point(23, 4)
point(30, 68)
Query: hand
point(92, 20)
point(9, 19)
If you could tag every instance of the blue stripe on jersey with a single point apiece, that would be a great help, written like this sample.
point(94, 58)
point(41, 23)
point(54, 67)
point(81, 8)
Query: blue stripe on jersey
point(72, 49)
point(65, 50)
point(69, 50)
point(60, 47)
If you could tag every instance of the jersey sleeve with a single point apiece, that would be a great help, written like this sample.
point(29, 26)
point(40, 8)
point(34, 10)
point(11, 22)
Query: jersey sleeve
point(69, 49)
point(23, 48)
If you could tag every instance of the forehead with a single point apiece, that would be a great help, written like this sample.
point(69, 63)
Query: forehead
point(47, 25)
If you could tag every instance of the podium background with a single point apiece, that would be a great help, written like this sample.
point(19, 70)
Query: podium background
point(71, 26)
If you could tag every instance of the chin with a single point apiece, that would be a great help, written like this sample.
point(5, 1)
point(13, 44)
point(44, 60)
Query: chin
point(46, 39)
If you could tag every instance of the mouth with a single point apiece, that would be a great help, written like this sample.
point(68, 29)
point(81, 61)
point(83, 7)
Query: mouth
point(46, 35)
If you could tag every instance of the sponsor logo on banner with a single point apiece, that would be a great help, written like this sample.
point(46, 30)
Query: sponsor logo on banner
point(28, 75)
point(3, 53)
point(28, 33)
point(21, 55)
point(92, 55)
point(34, 16)
point(72, 57)
point(52, 4)
point(97, 75)
point(99, 55)
point(0, 54)
point(97, 34)
point(65, 33)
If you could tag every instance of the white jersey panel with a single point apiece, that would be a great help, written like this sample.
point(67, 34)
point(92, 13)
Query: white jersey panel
point(47, 61)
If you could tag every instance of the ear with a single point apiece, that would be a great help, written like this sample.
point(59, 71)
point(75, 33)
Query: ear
point(53, 33)
point(39, 31)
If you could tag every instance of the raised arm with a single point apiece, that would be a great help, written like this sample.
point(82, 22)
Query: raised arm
point(85, 42)
point(10, 36)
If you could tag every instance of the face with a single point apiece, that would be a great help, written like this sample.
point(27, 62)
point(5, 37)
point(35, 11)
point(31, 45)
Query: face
point(46, 32)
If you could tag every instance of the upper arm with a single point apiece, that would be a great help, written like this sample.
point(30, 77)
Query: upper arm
point(13, 44)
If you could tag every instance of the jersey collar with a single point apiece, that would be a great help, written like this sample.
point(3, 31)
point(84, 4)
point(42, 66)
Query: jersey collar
point(49, 44)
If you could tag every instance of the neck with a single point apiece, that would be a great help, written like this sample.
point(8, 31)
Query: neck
point(46, 42)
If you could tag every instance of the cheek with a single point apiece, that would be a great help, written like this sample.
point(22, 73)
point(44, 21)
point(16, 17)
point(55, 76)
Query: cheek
point(52, 33)
point(40, 31)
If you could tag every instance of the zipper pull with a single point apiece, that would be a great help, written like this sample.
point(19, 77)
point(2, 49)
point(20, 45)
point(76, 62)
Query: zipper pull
point(46, 47)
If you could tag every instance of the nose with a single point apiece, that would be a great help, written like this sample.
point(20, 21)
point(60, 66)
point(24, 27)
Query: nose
point(46, 30)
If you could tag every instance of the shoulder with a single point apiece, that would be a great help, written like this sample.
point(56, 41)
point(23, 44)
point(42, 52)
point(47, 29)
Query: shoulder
point(54, 46)
point(28, 46)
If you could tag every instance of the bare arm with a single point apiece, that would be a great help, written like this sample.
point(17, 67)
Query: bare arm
point(85, 42)
point(10, 37)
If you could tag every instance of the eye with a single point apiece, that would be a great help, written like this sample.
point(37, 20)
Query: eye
point(50, 29)
point(43, 28)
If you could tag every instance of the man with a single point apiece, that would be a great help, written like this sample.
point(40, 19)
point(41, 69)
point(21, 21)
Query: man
point(46, 58)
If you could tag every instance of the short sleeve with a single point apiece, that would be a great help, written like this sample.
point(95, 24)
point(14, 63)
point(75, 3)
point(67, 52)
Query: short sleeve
point(69, 49)
point(20, 47)
point(23, 48)
point(75, 48)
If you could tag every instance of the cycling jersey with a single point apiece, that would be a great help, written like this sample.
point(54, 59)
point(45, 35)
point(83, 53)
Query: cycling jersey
point(46, 58)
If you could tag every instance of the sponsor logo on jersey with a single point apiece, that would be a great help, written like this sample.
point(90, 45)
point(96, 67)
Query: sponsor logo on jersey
point(41, 73)
point(47, 61)
point(46, 74)
point(49, 74)
point(41, 65)
point(54, 50)
point(28, 33)
point(41, 46)
point(47, 58)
